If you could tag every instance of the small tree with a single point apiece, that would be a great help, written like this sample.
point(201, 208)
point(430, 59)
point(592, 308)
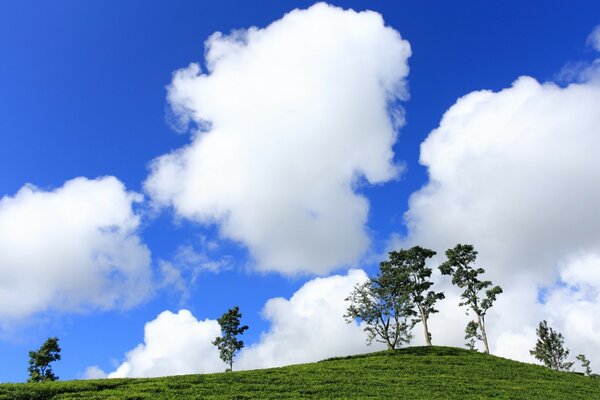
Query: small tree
point(414, 277)
point(585, 363)
point(227, 343)
point(384, 309)
point(39, 361)
point(549, 348)
point(465, 276)
point(472, 334)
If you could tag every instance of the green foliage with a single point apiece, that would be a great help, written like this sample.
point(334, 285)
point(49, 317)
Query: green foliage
point(430, 372)
point(471, 334)
point(39, 361)
point(585, 364)
point(550, 350)
point(409, 269)
point(459, 266)
point(383, 307)
point(227, 343)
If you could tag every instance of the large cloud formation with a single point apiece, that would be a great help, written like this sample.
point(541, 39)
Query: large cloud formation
point(517, 174)
point(307, 327)
point(71, 249)
point(293, 117)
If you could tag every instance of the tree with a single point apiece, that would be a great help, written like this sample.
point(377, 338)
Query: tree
point(409, 266)
point(549, 348)
point(39, 361)
point(472, 334)
point(384, 309)
point(465, 276)
point(227, 343)
point(585, 363)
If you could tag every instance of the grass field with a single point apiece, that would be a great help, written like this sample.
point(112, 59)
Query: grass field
point(412, 373)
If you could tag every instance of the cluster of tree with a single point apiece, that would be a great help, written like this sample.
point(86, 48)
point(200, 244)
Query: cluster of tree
point(551, 351)
point(391, 303)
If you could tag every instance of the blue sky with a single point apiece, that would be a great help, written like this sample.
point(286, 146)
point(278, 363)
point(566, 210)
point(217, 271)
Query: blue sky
point(83, 93)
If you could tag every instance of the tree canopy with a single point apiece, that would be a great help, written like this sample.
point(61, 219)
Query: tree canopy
point(39, 361)
point(383, 308)
point(413, 276)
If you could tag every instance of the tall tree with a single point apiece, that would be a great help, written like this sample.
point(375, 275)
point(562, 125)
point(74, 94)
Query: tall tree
point(39, 361)
point(384, 309)
point(550, 349)
point(227, 343)
point(459, 265)
point(414, 277)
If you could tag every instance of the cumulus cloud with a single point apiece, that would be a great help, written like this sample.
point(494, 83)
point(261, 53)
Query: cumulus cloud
point(71, 249)
point(307, 327)
point(517, 174)
point(293, 119)
point(593, 39)
point(174, 344)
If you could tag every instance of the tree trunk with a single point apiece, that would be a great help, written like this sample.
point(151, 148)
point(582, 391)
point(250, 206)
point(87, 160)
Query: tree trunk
point(483, 335)
point(425, 327)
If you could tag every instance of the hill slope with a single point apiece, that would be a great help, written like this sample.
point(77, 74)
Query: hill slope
point(417, 372)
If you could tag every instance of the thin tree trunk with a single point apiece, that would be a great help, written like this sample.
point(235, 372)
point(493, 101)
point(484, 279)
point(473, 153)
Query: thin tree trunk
point(425, 327)
point(386, 332)
point(483, 335)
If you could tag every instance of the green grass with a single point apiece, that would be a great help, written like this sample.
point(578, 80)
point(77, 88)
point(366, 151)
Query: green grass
point(412, 373)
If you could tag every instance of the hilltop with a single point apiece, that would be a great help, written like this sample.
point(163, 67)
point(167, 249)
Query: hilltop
point(411, 373)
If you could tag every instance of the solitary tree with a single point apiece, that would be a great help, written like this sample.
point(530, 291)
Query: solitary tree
point(549, 348)
point(384, 309)
point(227, 343)
point(414, 277)
point(465, 276)
point(585, 363)
point(39, 361)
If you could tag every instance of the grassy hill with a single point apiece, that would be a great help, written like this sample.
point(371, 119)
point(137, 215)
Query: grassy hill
point(412, 373)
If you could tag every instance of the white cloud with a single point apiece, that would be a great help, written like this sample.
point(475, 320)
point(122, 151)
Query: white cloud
point(307, 327)
point(71, 249)
point(593, 39)
point(174, 344)
point(296, 116)
point(517, 174)
point(94, 372)
point(572, 307)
